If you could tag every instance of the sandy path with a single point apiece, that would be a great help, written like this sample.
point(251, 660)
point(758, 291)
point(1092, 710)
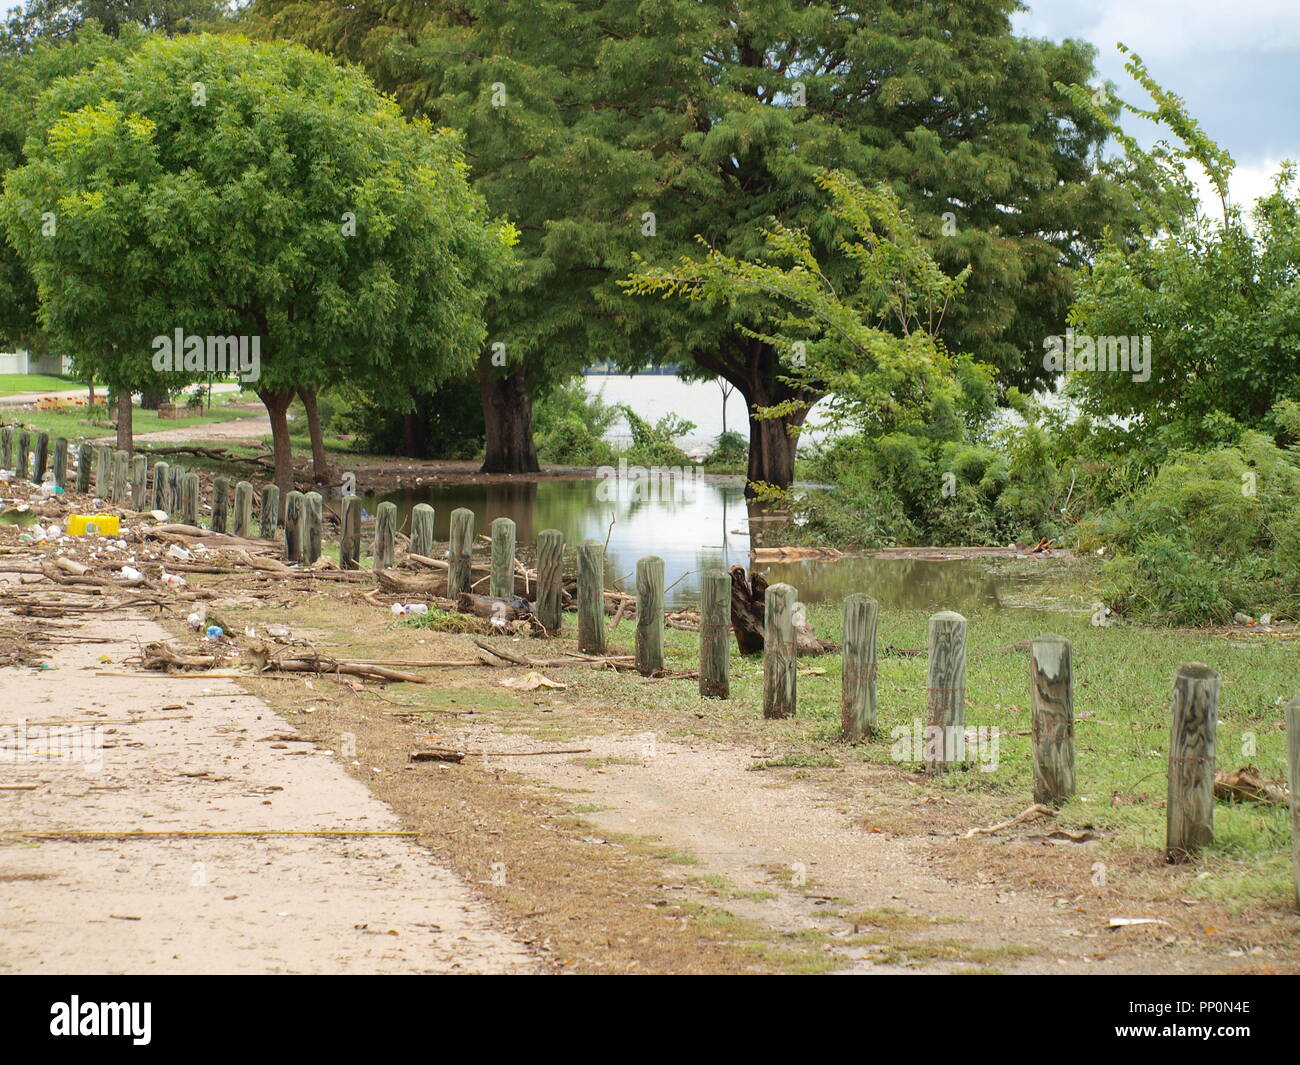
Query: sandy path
point(812, 851)
point(217, 904)
point(236, 430)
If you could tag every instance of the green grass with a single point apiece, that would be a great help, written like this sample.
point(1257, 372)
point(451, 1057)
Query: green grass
point(77, 423)
point(1123, 679)
point(12, 384)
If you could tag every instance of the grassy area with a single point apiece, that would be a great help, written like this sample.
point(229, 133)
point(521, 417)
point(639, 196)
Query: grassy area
point(76, 423)
point(12, 384)
point(1123, 680)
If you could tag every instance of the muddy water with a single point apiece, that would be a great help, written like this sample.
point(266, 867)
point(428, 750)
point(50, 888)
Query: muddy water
point(695, 526)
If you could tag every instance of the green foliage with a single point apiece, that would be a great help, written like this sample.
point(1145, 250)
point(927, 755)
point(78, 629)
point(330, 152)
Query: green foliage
point(443, 423)
point(656, 445)
point(569, 426)
point(600, 128)
point(1213, 533)
point(729, 454)
point(1216, 296)
point(211, 183)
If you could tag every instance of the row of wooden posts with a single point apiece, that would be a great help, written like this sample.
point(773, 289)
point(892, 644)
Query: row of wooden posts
point(120, 478)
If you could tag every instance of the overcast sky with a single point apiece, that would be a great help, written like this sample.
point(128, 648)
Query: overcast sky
point(1237, 65)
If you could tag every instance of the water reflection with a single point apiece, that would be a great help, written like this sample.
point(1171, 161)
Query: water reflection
point(707, 526)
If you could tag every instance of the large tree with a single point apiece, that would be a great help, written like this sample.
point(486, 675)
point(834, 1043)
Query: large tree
point(221, 187)
point(605, 129)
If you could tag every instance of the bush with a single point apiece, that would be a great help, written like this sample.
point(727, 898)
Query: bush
point(569, 427)
point(1211, 534)
point(656, 445)
point(730, 453)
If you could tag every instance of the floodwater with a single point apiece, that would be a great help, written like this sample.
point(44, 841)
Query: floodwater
point(694, 524)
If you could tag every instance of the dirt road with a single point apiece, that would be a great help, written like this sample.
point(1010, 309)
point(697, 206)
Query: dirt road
point(192, 759)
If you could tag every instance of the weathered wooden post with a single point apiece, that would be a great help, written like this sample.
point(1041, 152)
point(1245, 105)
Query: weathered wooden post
point(60, 462)
point(313, 515)
point(242, 520)
point(294, 504)
point(20, 455)
point(350, 533)
point(549, 609)
point(649, 615)
point(459, 550)
point(7, 447)
point(83, 467)
point(715, 634)
point(220, 504)
point(422, 530)
point(189, 499)
point(160, 497)
point(502, 582)
point(1190, 812)
point(268, 525)
point(175, 484)
point(385, 535)
point(946, 691)
point(780, 660)
point(1293, 776)
point(858, 694)
point(40, 456)
point(139, 481)
point(591, 598)
point(1051, 684)
point(121, 476)
point(103, 471)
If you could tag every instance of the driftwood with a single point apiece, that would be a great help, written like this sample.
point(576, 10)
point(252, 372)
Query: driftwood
point(485, 606)
point(1247, 784)
point(748, 592)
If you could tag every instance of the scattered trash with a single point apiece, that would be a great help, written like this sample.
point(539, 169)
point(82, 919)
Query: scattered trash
point(179, 553)
point(1125, 922)
point(131, 573)
point(214, 631)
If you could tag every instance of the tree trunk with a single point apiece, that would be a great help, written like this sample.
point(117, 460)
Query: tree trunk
point(508, 418)
point(124, 441)
point(152, 398)
point(320, 466)
point(755, 369)
point(277, 407)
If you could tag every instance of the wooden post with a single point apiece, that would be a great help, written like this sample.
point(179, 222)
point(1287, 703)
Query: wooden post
point(350, 533)
point(242, 520)
point(858, 692)
point(1292, 714)
point(121, 476)
point(294, 504)
point(139, 481)
point(779, 652)
point(7, 447)
point(1051, 692)
point(190, 499)
point(946, 691)
point(591, 598)
point(313, 514)
point(220, 504)
point(458, 551)
point(40, 457)
point(61, 462)
point(385, 535)
point(715, 634)
point(175, 487)
point(549, 609)
point(20, 456)
point(650, 614)
point(268, 525)
point(160, 497)
point(103, 471)
point(1190, 812)
point(83, 467)
point(421, 530)
point(502, 582)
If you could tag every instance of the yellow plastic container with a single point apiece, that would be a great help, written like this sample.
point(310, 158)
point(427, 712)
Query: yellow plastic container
point(106, 524)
